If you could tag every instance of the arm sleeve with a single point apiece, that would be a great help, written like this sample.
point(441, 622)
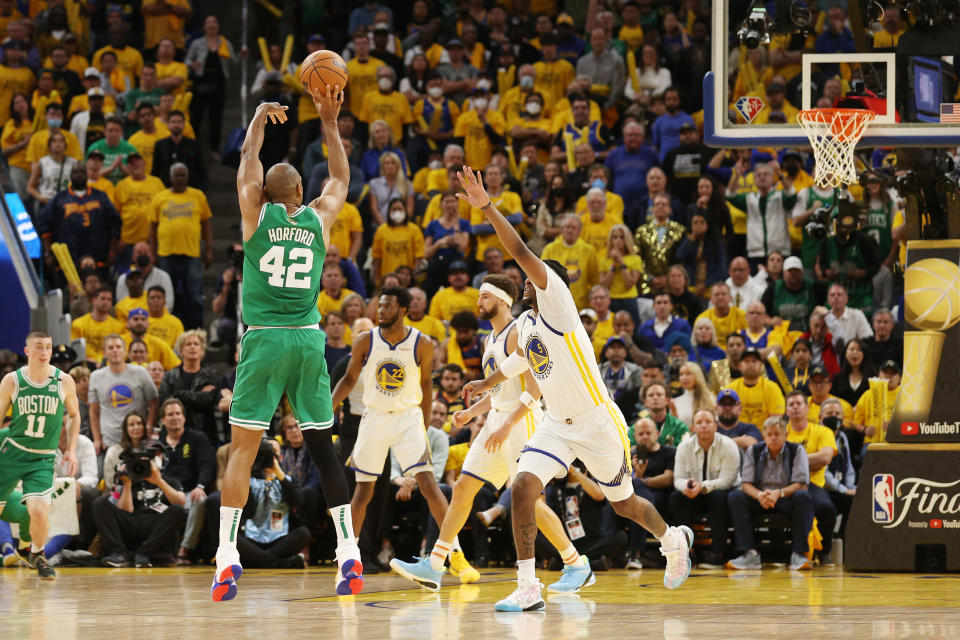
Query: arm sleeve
point(514, 365)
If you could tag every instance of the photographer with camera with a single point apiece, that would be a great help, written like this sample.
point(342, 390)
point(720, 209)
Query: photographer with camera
point(141, 518)
point(190, 460)
point(228, 288)
point(850, 257)
point(814, 214)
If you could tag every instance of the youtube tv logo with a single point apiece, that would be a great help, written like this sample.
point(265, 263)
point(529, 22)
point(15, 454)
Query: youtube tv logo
point(909, 428)
point(936, 523)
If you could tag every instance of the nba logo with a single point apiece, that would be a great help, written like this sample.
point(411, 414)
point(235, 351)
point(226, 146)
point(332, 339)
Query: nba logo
point(883, 498)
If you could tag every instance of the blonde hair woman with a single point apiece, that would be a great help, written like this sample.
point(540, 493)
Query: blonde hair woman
point(696, 395)
point(705, 347)
point(621, 271)
point(391, 185)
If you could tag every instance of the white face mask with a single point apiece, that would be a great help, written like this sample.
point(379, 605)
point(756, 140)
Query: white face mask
point(398, 216)
point(483, 84)
point(436, 164)
point(480, 103)
point(435, 92)
point(385, 83)
point(533, 108)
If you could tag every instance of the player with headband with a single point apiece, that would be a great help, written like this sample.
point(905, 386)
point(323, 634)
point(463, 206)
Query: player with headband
point(581, 420)
point(514, 411)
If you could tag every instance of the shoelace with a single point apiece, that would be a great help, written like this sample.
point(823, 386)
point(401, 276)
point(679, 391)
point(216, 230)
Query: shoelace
point(674, 559)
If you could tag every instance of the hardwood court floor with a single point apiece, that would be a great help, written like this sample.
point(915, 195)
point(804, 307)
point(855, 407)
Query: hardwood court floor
point(142, 604)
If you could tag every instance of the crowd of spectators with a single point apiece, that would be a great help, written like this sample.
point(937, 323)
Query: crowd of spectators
point(740, 347)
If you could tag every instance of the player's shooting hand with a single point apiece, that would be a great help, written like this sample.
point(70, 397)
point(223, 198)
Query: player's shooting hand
point(472, 182)
point(328, 103)
point(274, 111)
point(472, 388)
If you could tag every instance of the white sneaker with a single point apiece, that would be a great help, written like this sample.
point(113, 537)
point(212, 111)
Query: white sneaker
point(523, 599)
point(349, 578)
point(799, 562)
point(228, 571)
point(385, 556)
point(678, 557)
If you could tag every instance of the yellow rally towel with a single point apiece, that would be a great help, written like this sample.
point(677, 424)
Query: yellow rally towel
point(814, 540)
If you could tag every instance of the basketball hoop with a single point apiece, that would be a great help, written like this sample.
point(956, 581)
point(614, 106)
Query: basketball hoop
point(834, 134)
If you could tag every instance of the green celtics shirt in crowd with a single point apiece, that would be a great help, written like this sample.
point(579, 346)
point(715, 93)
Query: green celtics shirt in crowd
point(880, 224)
point(37, 411)
point(123, 149)
point(672, 429)
point(282, 263)
point(815, 198)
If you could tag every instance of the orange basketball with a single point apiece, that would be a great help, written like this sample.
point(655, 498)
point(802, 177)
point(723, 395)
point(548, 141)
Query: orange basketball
point(323, 68)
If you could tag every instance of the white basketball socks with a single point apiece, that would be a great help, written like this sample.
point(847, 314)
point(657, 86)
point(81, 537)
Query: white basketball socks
point(229, 528)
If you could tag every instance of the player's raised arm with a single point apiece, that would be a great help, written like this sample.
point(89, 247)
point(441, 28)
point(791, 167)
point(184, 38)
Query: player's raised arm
point(476, 196)
point(250, 172)
point(360, 347)
point(330, 201)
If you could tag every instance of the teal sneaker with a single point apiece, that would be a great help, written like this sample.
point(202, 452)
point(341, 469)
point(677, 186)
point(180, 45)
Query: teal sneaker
point(678, 558)
point(575, 576)
point(420, 572)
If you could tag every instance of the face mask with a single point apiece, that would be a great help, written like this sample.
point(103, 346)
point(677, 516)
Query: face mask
point(436, 164)
point(484, 84)
point(54, 122)
point(533, 108)
point(385, 83)
point(397, 216)
point(599, 184)
point(143, 261)
point(480, 103)
point(526, 82)
point(435, 92)
point(728, 420)
point(832, 422)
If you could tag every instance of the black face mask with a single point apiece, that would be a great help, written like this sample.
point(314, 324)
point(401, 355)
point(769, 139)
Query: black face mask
point(832, 422)
point(728, 420)
point(143, 261)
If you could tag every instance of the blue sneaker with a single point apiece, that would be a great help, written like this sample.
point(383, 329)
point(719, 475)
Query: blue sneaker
point(420, 572)
point(575, 576)
point(678, 557)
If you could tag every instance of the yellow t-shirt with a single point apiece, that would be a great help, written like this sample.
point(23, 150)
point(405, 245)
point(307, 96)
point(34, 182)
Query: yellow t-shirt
point(156, 28)
point(397, 246)
point(552, 79)
point(512, 103)
point(428, 325)
point(732, 323)
point(94, 332)
point(447, 303)
point(129, 61)
point(595, 233)
point(542, 123)
point(604, 330)
point(167, 327)
point(144, 143)
point(178, 217)
point(614, 205)
point(433, 211)
point(134, 201)
point(173, 70)
point(618, 288)
point(813, 410)
point(348, 220)
point(814, 438)
point(80, 103)
point(363, 80)
point(103, 184)
point(437, 180)
point(759, 402)
point(38, 145)
point(420, 180)
point(456, 456)
point(327, 303)
point(477, 147)
point(581, 263)
point(13, 81)
point(13, 134)
point(393, 108)
point(157, 349)
point(506, 203)
point(123, 308)
point(563, 114)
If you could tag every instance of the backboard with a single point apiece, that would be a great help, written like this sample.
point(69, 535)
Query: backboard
point(771, 59)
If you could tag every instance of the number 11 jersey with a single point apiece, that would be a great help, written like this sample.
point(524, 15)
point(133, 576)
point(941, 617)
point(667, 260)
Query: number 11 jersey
point(37, 415)
point(282, 263)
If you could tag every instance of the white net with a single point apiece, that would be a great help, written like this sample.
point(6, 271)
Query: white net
point(834, 134)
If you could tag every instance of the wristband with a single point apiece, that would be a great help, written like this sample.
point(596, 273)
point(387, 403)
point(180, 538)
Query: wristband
point(529, 401)
point(487, 206)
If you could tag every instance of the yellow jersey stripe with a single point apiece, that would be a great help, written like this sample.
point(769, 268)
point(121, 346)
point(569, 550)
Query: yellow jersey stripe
point(591, 382)
point(621, 429)
point(581, 365)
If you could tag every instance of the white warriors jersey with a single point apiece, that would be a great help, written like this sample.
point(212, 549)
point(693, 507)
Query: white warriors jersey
point(391, 373)
point(505, 396)
point(559, 353)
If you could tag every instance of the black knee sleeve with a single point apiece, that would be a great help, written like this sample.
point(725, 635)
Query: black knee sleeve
point(333, 481)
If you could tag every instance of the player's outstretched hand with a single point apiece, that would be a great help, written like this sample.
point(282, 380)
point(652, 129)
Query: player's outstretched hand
point(328, 103)
point(472, 388)
point(472, 182)
point(460, 418)
point(275, 112)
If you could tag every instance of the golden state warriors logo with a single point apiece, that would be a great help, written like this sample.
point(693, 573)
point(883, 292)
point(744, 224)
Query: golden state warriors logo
point(390, 377)
point(489, 366)
point(538, 358)
point(119, 396)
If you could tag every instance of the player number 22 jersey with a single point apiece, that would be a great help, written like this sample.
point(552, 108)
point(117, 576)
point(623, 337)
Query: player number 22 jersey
point(391, 373)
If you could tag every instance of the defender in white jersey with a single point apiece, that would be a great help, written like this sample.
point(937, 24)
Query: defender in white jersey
point(514, 411)
point(396, 362)
point(581, 421)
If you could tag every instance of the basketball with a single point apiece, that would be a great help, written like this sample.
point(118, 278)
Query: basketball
point(321, 69)
point(932, 294)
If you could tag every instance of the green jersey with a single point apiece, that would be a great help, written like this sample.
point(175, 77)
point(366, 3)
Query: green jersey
point(37, 411)
point(282, 262)
point(811, 246)
point(880, 224)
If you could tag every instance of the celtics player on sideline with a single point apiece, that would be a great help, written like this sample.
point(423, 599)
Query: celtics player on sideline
point(39, 393)
point(514, 411)
point(581, 420)
point(396, 362)
point(284, 245)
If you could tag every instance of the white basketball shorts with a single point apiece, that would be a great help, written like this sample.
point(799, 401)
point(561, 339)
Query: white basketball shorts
point(497, 468)
point(379, 432)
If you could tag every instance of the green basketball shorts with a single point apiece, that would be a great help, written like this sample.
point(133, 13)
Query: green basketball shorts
point(35, 470)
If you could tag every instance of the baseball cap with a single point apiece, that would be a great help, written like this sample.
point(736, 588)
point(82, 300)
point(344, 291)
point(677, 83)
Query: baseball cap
point(686, 126)
point(63, 354)
point(316, 37)
point(95, 92)
point(590, 313)
point(273, 76)
point(613, 339)
point(565, 18)
point(91, 72)
point(454, 42)
point(752, 351)
point(138, 311)
point(96, 153)
point(728, 393)
point(457, 265)
point(890, 364)
point(817, 370)
point(793, 262)
point(134, 269)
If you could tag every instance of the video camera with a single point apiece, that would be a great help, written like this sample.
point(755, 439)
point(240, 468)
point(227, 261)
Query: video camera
point(264, 459)
point(138, 461)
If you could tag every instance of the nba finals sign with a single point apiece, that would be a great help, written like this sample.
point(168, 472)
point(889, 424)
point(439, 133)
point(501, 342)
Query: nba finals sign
point(928, 404)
